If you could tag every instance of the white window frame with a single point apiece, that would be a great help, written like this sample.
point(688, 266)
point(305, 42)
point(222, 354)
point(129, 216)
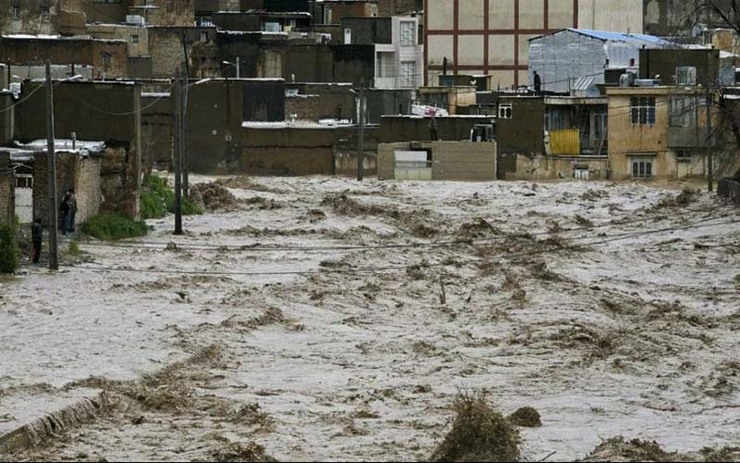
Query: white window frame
point(505, 111)
point(642, 110)
point(408, 73)
point(641, 166)
point(407, 33)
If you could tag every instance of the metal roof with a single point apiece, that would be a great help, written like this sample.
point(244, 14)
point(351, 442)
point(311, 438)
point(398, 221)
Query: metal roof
point(615, 36)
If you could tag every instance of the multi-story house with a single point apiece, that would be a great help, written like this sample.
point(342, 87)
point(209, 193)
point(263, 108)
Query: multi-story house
point(398, 53)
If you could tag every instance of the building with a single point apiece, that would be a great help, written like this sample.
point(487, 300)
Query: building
point(658, 132)
point(492, 36)
point(333, 11)
point(400, 63)
point(563, 57)
point(437, 160)
point(29, 17)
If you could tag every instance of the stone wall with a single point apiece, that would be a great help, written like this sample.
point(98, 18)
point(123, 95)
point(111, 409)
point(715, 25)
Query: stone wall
point(118, 181)
point(73, 171)
point(7, 191)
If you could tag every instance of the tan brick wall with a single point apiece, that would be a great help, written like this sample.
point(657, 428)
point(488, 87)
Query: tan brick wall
point(118, 182)
point(73, 171)
point(7, 197)
point(454, 160)
point(451, 160)
point(305, 107)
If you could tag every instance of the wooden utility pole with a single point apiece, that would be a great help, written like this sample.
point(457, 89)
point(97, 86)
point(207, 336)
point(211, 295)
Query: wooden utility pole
point(361, 141)
point(178, 155)
point(52, 163)
point(710, 167)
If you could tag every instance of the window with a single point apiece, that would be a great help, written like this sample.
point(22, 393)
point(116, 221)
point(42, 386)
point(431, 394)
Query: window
point(46, 15)
point(683, 156)
point(134, 38)
point(407, 73)
point(642, 166)
point(682, 111)
point(407, 34)
point(204, 36)
point(106, 61)
point(642, 110)
point(15, 12)
point(504, 111)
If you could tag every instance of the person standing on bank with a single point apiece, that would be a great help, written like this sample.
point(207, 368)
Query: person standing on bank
point(537, 83)
point(64, 210)
point(37, 235)
point(72, 210)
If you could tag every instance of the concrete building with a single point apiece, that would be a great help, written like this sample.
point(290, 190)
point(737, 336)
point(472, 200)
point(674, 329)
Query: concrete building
point(400, 63)
point(29, 17)
point(563, 57)
point(492, 36)
point(657, 132)
point(332, 11)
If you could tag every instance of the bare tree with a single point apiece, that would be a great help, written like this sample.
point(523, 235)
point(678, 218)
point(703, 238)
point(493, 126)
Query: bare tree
point(725, 14)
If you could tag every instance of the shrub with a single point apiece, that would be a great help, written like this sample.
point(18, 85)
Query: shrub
point(111, 226)
point(8, 250)
point(157, 199)
point(479, 433)
point(526, 416)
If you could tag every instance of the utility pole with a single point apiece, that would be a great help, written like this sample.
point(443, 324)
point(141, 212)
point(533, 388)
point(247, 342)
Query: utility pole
point(183, 138)
point(238, 73)
point(51, 154)
point(710, 167)
point(361, 142)
point(178, 155)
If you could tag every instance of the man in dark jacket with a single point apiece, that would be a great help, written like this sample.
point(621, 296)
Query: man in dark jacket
point(37, 235)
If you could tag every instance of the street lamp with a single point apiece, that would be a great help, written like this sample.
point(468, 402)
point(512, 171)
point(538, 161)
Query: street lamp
point(232, 64)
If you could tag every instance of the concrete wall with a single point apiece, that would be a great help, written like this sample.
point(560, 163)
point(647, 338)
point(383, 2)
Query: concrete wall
point(415, 128)
point(309, 63)
point(288, 151)
point(168, 54)
point(264, 100)
point(394, 7)
point(7, 118)
point(215, 116)
point(119, 181)
point(109, 58)
point(157, 131)
point(320, 100)
point(388, 102)
point(73, 171)
point(30, 18)
point(307, 150)
point(164, 12)
point(664, 63)
point(96, 111)
point(98, 11)
point(333, 12)
point(450, 160)
point(524, 131)
point(368, 31)
point(514, 166)
point(498, 45)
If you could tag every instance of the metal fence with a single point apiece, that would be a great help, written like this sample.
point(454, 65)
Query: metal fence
point(729, 188)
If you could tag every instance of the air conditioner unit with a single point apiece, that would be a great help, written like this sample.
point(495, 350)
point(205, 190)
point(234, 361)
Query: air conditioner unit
point(135, 19)
point(627, 79)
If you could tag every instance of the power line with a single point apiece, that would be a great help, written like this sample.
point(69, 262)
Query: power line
point(559, 248)
point(152, 245)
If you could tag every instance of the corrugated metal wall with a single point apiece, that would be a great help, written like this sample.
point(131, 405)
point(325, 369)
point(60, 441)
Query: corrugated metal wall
point(565, 142)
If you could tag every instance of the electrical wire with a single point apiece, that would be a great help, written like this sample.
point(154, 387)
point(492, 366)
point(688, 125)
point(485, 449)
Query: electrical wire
point(511, 256)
